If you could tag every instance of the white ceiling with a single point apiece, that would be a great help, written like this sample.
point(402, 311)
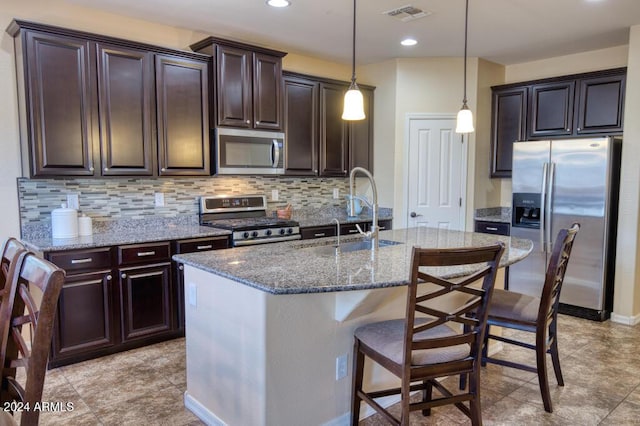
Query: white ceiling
point(502, 31)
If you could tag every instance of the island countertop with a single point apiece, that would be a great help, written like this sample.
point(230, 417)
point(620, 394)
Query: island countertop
point(313, 267)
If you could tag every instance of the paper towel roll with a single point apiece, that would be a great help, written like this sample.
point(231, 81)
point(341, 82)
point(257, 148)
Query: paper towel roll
point(64, 222)
point(85, 226)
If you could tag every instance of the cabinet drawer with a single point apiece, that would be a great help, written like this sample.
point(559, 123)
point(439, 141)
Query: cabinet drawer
point(318, 232)
point(201, 244)
point(492, 227)
point(143, 253)
point(82, 260)
point(350, 228)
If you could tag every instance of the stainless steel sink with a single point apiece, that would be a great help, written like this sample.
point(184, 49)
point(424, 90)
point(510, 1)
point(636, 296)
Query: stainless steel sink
point(333, 249)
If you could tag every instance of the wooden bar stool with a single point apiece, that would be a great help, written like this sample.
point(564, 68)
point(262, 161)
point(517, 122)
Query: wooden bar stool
point(430, 343)
point(11, 249)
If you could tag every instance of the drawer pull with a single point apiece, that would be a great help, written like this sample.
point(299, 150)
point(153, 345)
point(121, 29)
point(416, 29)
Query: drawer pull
point(491, 228)
point(85, 260)
point(146, 253)
point(109, 277)
point(181, 267)
point(123, 276)
point(353, 231)
point(319, 234)
point(207, 247)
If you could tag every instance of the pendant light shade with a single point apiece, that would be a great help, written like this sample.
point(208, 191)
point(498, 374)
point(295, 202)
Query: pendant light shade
point(353, 100)
point(464, 122)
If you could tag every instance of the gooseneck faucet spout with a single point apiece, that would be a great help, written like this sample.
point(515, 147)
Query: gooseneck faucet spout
point(373, 232)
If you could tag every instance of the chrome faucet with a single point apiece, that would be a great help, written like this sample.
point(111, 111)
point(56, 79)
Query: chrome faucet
point(373, 232)
point(337, 231)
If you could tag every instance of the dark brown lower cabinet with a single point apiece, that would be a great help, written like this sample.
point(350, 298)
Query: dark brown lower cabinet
point(146, 301)
point(322, 231)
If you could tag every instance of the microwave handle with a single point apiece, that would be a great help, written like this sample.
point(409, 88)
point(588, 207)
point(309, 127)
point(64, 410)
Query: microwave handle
point(275, 154)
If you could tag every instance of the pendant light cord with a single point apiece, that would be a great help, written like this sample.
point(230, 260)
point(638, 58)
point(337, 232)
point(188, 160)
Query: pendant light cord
point(353, 63)
point(466, 25)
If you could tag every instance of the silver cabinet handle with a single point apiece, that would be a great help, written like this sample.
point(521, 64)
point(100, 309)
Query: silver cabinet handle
point(163, 169)
point(76, 261)
point(106, 169)
point(491, 228)
point(109, 277)
point(207, 247)
point(181, 267)
point(248, 121)
point(353, 231)
point(319, 234)
point(414, 214)
point(146, 253)
point(257, 122)
point(123, 276)
point(91, 169)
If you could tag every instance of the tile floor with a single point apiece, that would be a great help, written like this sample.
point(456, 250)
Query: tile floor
point(600, 364)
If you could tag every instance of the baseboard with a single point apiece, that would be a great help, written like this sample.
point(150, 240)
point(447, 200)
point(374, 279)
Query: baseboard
point(624, 319)
point(201, 411)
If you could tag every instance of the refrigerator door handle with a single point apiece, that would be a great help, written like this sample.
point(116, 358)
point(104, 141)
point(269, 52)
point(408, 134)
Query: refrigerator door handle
point(552, 172)
point(543, 215)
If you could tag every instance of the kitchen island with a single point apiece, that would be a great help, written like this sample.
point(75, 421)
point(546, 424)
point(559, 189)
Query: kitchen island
point(269, 329)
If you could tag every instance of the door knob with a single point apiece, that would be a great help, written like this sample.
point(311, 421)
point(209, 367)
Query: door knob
point(414, 214)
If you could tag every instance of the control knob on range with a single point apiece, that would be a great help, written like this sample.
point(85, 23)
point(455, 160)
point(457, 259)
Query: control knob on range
point(254, 234)
point(268, 232)
point(282, 231)
point(246, 234)
point(290, 231)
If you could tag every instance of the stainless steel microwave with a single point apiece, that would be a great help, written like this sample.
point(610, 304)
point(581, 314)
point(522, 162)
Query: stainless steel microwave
point(249, 152)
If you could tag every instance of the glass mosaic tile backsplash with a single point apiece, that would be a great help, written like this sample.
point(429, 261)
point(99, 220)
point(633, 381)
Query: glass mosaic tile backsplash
point(134, 198)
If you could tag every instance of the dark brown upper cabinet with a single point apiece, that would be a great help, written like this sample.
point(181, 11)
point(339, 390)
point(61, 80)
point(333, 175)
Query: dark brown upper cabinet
point(508, 124)
point(319, 142)
point(183, 108)
point(56, 87)
point(88, 105)
point(127, 119)
point(301, 126)
point(600, 104)
point(588, 104)
point(334, 144)
point(248, 80)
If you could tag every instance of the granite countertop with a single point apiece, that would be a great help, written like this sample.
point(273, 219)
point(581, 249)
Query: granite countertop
point(494, 214)
point(311, 266)
point(142, 233)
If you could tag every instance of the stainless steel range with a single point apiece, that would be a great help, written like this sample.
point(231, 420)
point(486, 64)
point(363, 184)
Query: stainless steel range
point(246, 216)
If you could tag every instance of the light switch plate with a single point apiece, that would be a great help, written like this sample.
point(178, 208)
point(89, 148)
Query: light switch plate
point(341, 366)
point(72, 201)
point(336, 193)
point(274, 195)
point(159, 199)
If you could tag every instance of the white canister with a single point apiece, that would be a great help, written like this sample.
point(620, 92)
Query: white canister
point(64, 222)
point(85, 226)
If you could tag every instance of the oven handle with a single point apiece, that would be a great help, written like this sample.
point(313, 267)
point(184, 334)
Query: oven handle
point(275, 154)
point(266, 240)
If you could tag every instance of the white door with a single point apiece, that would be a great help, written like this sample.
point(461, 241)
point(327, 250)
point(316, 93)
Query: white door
point(436, 174)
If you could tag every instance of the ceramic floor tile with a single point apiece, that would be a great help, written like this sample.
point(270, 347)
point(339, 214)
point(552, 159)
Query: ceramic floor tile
point(626, 414)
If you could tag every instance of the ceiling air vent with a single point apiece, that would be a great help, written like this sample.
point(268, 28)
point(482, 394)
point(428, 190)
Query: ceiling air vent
point(406, 13)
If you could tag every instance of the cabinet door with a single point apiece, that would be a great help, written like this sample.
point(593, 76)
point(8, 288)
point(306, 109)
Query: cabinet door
point(59, 99)
point(301, 126)
point(361, 136)
point(333, 131)
point(182, 98)
point(551, 111)
point(267, 92)
point(125, 89)
point(146, 308)
point(600, 104)
point(508, 124)
point(85, 318)
point(233, 85)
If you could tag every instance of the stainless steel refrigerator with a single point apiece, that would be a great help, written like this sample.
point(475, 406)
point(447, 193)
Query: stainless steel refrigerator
point(557, 183)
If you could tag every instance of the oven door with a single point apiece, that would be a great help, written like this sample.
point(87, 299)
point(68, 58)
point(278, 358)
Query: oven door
point(249, 152)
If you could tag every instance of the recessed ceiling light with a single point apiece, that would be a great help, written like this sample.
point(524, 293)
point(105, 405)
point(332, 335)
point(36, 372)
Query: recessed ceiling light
point(278, 3)
point(409, 42)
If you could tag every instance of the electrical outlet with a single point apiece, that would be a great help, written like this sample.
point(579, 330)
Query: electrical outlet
point(336, 193)
point(341, 366)
point(72, 201)
point(159, 199)
point(274, 195)
point(193, 295)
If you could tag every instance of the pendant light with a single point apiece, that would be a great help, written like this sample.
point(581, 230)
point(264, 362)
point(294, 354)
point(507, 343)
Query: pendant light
point(353, 101)
point(464, 123)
